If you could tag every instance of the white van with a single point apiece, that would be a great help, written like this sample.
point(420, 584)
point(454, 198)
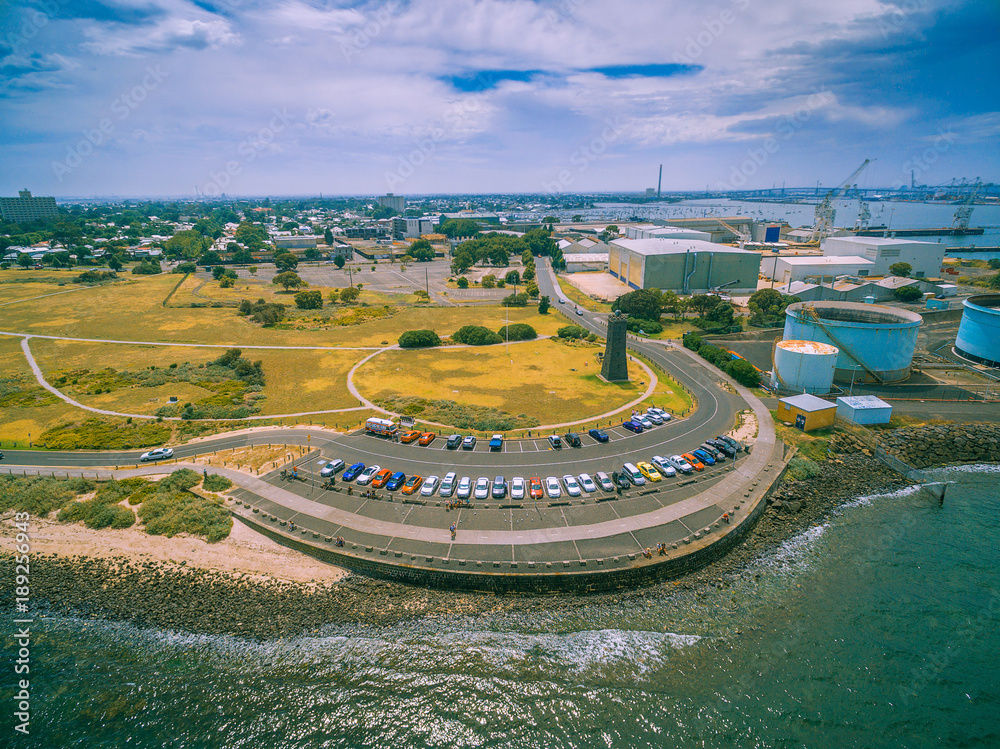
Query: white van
point(634, 474)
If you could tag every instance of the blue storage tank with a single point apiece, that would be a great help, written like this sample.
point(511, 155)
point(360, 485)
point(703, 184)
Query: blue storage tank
point(979, 333)
point(876, 342)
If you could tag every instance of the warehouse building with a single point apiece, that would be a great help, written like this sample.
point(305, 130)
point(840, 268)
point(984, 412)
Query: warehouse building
point(652, 231)
point(805, 267)
point(924, 257)
point(686, 266)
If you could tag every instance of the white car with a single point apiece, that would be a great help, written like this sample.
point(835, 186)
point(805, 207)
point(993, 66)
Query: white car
point(482, 490)
point(160, 453)
point(659, 412)
point(644, 420)
point(429, 486)
point(680, 464)
point(552, 487)
point(448, 484)
point(464, 490)
point(664, 466)
point(517, 488)
point(587, 483)
point(572, 486)
point(653, 417)
point(332, 467)
point(367, 475)
point(605, 481)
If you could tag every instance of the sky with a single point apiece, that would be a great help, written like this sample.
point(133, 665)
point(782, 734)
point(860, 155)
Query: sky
point(296, 97)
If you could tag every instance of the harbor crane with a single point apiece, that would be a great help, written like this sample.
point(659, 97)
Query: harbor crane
point(742, 237)
point(964, 212)
point(825, 213)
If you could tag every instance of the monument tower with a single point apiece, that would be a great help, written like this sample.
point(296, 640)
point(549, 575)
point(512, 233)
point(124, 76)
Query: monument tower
point(615, 365)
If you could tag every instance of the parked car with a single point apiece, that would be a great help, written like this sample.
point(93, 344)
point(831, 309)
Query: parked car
point(395, 481)
point(733, 443)
point(160, 453)
point(695, 463)
point(621, 480)
point(381, 478)
point(410, 436)
point(496, 442)
point(587, 483)
point(572, 439)
point(632, 426)
point(572, 486)
point(464, 490)
point(426, 438)
point(453, 442)
point(598, 435)
point(659, 412)
point(604, 481)
point(499, 490)
point(469, 442)
point(552, 487)
point(448, 484)
point(655, 418)
point(430, 486)
point(353, 472)
point(649, 472)
point(482, 489)
point(664, 466)
point(517, 488)
point(332, 467)
point(703, 456)
point(535, 490)
point(716, 454)
point(646, 423)
point(555, 441)
point(724, 447)
point(412, 484)
point(368, 474)
point(634, 474)
point(680, 464)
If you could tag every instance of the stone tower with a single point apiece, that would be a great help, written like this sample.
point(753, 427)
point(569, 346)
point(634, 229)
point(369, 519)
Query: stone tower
point(615, 366)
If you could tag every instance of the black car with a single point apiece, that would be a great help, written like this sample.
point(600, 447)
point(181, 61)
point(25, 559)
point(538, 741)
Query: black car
point(620, 480)
point(713, 452)
point(572, 439)
point(723, 447)
point(735, 444)
point(454, 441)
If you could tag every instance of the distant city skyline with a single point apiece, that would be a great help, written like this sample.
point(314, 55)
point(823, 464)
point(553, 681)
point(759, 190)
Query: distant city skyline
point(169, 97)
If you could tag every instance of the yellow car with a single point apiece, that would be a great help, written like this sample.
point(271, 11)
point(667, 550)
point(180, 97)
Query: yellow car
point(649, 471)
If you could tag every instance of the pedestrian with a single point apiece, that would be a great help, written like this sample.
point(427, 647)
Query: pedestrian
point(452, 531)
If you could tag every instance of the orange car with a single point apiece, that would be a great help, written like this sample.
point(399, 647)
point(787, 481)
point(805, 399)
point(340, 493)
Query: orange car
point(409, 436)
point(535, 488)
point(693, 460)
point(412, 484)
point(426, 438)
point(379, 479)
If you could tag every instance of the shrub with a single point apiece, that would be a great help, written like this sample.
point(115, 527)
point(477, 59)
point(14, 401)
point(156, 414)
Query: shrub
point(97, 434)
point(216, 483)
point(515, 300)
point(419, 339)
point(188, 267)
point(309, 300)
point(147, 268)
point(489, 281)
point(692, 341)
point(517, 332)
point(350, 294)
point(907, 294)
point(226, 282)
point(463, 282)
point(743, 372)
point(651, 327)
point(40, 495)
point(543, 305)
point(571, 332)
point(800, 468)
point(180, 480)
point(95, 276)
point(421, 294)
point(475, 335)
point(170, 513)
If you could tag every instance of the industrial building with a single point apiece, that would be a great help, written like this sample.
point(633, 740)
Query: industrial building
point(850, 289)
point(395, 202)
point(807, 412)
point(876, 342)
point(25, 208)
point(804, 366)
point(803, 267)
point(924, 257)
point(411, 228)
point(303, 242)
point(585, 261)
point(864, 409)
point(652, 231)
point(979, 332)
point(686, 266)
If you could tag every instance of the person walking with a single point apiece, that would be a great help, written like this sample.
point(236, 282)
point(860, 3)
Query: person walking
point(453, 531)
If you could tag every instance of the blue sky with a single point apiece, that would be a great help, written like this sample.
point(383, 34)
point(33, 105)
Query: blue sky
point(160, 97)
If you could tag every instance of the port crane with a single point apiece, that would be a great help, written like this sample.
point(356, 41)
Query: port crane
point(825, 212)
point(742, 237)
point(964, 212)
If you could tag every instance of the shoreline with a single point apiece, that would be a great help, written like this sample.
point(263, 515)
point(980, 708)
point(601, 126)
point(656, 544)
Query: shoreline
point(286, 593)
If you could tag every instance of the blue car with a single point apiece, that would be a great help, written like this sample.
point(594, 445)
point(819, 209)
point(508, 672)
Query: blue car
point(395, 481)
point(598, 435)
point(632, 426)
point(352, 473)
point(705, 457)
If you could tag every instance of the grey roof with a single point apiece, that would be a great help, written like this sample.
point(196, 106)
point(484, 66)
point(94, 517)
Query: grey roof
point(862, 402)
point(807, 402)
point(665, 246)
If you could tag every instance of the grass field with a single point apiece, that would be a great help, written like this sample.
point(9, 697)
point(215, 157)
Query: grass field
point(545, 380)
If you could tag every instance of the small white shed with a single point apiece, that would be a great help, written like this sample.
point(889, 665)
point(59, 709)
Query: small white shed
point(863, 409)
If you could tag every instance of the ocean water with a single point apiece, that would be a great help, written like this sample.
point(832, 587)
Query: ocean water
point(879, 628)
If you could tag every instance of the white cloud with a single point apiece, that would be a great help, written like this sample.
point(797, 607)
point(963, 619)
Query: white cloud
point(162, 36)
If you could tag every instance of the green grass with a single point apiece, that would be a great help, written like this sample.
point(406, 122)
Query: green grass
point(216, 483)
point(578, 297)
point(172, 512)
point(103, 509)
point(104, 434)
point(39, 495)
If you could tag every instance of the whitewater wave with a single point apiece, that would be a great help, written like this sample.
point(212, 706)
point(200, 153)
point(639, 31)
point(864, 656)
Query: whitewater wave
point(865, 500)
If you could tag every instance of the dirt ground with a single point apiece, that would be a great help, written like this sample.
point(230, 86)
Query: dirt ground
point(602, 285)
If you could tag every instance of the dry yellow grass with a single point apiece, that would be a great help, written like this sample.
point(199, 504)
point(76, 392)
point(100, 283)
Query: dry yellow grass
point(19, 424)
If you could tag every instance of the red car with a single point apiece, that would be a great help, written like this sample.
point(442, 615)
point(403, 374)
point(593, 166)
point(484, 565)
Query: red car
point(535, 488)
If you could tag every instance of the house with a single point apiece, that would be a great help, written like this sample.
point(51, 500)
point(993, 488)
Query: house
point(806, 412)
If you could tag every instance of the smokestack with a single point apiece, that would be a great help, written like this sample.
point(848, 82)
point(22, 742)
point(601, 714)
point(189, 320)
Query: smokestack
point(659, 183)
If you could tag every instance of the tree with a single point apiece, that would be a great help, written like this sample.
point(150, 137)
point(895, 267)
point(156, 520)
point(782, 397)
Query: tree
point(419, 339)
point(571, 332)
point(644, 303)
point(350, 294)
point(550, 220)
point(463, 282)
point(309, 300)
point(421, 250)
point(328, 237)
point(339, 261)
point(114, 263)
point(210, 258)
point(218, 272)
point(543, 305)
point(901, 269)
point(252, 270)
point(232, 247)
point(334, 296)
point(25, 261)
point(532, 289)
point(703, 303)
point(743, 372)
point(995, 282)
point(527, 258)
point(907, 293)
point(188, 267)
point(383, 211)
point(512, 277)
point(286, 261)
point(147, 268)
point(242, 256)
point(226, 282)
point(187, 245)
point(311, 254)
point(540, 243)
point(288, 279)
point(489, 281)
point(722, 314)
point(993, 263)
point(529, 273)
point(517, 331)
point(459, 227)
point(475, 335)
point(515, 300)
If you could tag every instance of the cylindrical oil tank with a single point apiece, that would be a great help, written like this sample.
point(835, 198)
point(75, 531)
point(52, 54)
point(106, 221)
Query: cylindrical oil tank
point(804, 366)
point(876, 342)
point(979, 333)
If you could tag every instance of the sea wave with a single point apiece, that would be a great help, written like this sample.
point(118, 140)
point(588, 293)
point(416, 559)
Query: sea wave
point(866, 500)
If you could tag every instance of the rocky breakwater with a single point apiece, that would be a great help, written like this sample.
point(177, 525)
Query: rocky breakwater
point(929, 445)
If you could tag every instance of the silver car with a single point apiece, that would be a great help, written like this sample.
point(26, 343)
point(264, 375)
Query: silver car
point(429, 486)
point(448, 485)
point(367, 475)
point(552, 487)
point(464, 490)
point(572, 486)
point(332, 467)
point(482, 490)
point(587, 483)
point(664, 466)
point(517, 488)
point(605, 481)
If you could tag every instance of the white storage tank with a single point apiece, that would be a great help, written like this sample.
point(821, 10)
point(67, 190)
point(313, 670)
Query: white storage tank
point(804, 366)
